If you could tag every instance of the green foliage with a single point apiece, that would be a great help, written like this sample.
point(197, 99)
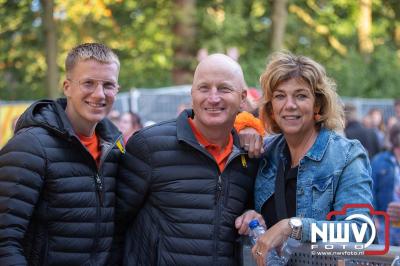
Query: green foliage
point(141, 33)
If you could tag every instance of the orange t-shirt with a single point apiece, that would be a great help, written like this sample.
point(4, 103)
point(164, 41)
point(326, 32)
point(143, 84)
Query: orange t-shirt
point(92, 144)
point(220, 154)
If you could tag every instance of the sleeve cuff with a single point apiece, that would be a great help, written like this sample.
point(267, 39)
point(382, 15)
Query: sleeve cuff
point(245, 119)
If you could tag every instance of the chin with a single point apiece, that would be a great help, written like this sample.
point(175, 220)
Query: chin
point(95, 118)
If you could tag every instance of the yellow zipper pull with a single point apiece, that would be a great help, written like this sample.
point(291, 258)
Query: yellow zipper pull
point(120, 146)
point(244, 163)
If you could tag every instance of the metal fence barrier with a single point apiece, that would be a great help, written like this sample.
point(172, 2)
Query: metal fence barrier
point(162, 103)
point(336, 256)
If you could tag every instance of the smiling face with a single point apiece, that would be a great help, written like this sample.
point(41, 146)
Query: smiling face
point(85, 109)
point(217, 93)
point(293, 107)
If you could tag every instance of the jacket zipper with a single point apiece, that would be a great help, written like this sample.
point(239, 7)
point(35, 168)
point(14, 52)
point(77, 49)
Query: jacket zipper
point(218, 201)
point(99, 199)
point(219, 189)
point(219, 186)
point(99, 188)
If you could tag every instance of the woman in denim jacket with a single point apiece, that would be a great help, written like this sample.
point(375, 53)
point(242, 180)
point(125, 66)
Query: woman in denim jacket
point(315, 169)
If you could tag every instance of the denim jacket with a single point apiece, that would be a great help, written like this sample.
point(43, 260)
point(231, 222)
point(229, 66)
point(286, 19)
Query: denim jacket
point(384, 169)
point(383, 173)
point(334, 172)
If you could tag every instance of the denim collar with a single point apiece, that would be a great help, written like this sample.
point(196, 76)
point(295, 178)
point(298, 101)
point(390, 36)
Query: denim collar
point(320, 145)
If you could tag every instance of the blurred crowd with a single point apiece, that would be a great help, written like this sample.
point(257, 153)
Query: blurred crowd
point(128, 123)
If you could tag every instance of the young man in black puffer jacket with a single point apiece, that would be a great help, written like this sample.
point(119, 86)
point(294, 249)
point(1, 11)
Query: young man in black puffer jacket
point(57, 174)
point(184, 182)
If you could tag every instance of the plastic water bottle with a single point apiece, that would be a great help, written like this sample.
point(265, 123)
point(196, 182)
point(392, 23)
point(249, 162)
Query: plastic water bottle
point(256, 230)
point(396, 261)
point(288, 248)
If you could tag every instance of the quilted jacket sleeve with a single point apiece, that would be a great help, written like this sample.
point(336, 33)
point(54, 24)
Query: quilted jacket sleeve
point(22, 167)
point(132, 187)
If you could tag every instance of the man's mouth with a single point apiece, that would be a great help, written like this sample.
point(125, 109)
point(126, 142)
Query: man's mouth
point(213, 109)
point(95, 105)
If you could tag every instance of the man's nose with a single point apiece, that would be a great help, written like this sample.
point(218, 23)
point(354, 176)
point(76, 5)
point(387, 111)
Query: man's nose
point(214, 95)
point(99, 90)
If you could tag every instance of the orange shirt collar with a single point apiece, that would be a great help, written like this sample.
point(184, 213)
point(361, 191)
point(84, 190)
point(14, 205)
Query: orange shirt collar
point(220, 154)
point(92, 144)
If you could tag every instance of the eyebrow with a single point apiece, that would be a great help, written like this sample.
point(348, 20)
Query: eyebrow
point(225, 83)
point(296, 90)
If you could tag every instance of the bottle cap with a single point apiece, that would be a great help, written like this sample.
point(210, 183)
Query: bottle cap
point(253, 224)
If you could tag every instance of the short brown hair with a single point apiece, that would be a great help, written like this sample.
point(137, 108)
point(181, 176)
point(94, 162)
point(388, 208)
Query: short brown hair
point(284, 66)
point(87, 51)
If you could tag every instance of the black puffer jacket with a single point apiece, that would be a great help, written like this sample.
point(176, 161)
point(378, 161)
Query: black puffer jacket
point(56, 205)
point(179, 207)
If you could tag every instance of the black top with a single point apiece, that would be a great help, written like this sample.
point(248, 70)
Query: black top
point(268, 210)
point(367, 136)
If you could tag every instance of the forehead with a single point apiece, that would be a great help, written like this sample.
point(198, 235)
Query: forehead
point(217, 74)
point(293, 84)
point(95, 69)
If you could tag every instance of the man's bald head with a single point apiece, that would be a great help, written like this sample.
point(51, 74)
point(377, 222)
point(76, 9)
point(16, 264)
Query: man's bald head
point(218, 94)
point(222, 64)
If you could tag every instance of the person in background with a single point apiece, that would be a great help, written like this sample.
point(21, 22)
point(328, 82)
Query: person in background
point(114, 117)
point(397, 109)
point(57, 174)
point(307, 169)
point(355, 130)
point(378, 125)
point(184, 182)
point(252, 101)
point(385, 171)
point(129, 123)
point(396, 118)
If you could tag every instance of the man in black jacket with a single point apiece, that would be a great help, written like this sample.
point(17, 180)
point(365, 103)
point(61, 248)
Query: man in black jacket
point(57, 174)
point(184, 182)
point(355, 130)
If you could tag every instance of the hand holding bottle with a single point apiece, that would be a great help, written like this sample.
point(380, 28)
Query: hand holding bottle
point(272, 239)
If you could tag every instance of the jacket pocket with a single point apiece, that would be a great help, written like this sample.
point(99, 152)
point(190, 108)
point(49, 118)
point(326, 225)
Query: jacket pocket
point(322, 197)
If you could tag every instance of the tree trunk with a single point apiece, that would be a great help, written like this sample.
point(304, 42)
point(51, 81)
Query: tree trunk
point(364, 28)
point(50, 33)
point(184, 32)
point(279, 17)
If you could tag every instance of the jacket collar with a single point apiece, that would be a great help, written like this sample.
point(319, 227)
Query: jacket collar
point(185, 133)
point(51, 115)
point(320, 145)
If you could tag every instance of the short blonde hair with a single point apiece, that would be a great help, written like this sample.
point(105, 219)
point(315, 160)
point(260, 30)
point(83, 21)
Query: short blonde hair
point(284, 66)
point(87, 51)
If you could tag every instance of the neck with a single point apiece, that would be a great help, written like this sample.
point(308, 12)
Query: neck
point(298, 147)
point(215, 136)
point(79, 126)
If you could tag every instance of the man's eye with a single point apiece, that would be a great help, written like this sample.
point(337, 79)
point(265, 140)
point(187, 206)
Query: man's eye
point(88, 83)
point(109, 86)
point(203, 88)
point(225, 89)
